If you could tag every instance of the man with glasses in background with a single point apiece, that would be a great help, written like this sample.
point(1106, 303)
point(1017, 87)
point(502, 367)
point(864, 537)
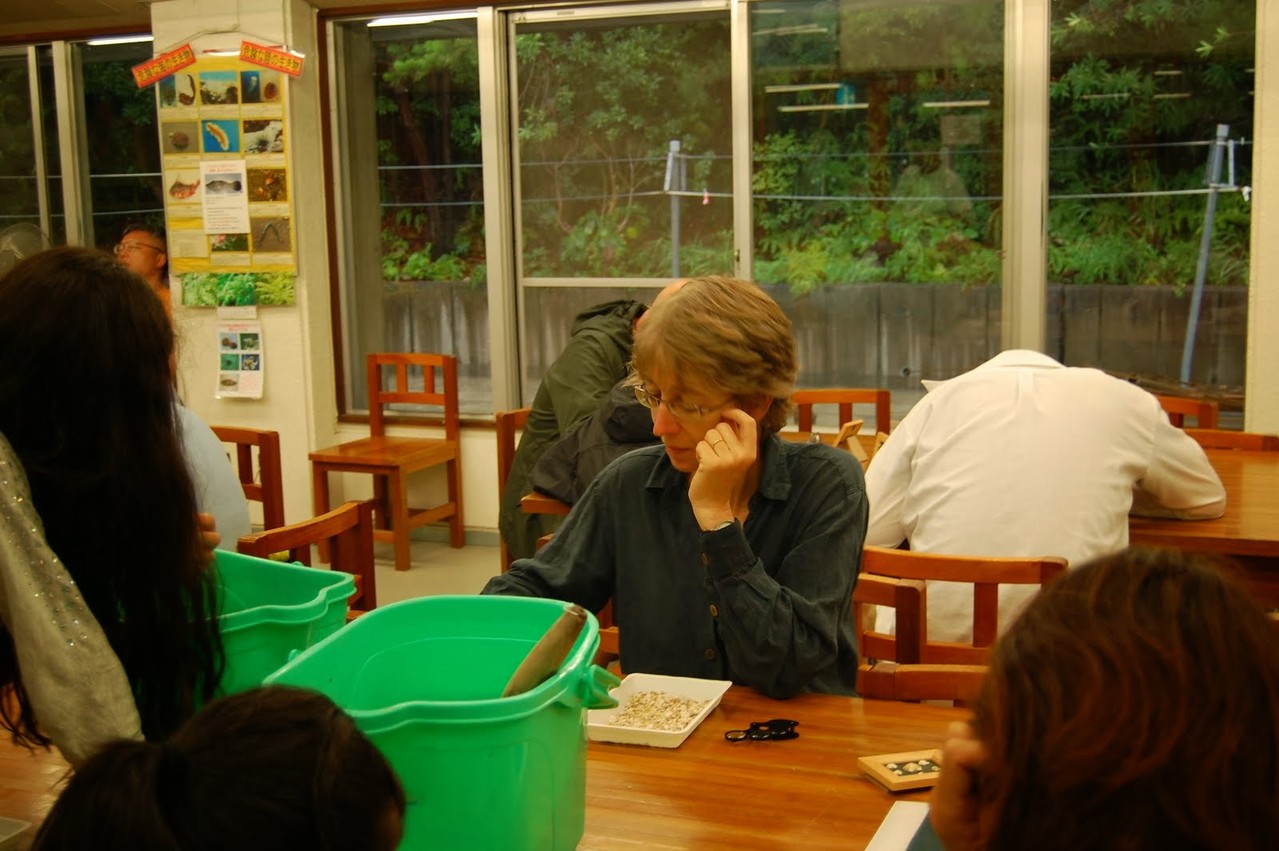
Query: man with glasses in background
point(142, 251)
point(728, 553)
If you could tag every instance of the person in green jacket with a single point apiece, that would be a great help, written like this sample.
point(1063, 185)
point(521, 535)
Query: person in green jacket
point(597, 356)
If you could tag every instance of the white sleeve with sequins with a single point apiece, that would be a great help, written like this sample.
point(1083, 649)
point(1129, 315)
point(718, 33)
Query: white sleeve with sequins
point(76, 683)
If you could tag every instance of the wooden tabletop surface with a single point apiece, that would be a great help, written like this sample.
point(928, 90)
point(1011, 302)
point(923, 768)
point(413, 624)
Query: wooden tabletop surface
point(1250, 526)
point(714, 794)
point(707, 794)
point(1248, 531)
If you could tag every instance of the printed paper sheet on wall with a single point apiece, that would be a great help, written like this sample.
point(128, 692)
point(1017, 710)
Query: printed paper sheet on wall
point(224, 139)
point(240, 364)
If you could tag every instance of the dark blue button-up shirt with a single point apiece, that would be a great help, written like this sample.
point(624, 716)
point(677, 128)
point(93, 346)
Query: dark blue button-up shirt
point(766, 604)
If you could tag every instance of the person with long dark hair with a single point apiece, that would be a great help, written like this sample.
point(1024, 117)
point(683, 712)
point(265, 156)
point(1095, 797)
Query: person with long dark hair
point(108, 611)
point(269, 768)
point(1134, 704)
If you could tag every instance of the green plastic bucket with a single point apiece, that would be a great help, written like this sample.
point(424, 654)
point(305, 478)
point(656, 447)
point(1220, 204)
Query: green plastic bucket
point(422, 679)
point(270, 611)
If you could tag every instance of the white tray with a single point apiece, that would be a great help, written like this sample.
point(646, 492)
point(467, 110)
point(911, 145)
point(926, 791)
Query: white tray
point(599, 730)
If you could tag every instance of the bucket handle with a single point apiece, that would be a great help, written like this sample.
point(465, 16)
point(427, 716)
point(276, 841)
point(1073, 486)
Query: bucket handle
point(593, 688)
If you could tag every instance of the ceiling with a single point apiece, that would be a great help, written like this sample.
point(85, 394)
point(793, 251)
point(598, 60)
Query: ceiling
point(22, 19)
point(40, 17)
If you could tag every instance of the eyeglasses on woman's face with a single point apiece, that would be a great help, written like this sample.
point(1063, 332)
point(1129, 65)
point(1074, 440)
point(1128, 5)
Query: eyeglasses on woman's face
point(134, 245)
point(682, 411)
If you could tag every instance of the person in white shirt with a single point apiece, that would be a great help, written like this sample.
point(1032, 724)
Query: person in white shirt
point(217, 487)
point(1023, 456)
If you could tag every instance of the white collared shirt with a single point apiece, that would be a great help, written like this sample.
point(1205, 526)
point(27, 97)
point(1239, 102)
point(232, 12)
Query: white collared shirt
point(1025, 457)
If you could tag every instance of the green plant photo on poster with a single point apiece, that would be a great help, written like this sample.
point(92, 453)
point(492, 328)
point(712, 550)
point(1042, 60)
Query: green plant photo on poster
point(235, 289)
point(276, 288)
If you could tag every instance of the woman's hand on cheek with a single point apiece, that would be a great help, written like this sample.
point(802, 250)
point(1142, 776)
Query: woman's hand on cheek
point(955, 804)
point(725, 456)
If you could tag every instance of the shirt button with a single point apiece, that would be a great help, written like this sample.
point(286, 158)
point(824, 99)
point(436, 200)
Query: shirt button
point(710, 653)
point(714, 611)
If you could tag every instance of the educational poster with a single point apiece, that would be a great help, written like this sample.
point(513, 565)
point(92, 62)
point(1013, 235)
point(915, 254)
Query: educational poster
point(224, 140)
point(240, 359)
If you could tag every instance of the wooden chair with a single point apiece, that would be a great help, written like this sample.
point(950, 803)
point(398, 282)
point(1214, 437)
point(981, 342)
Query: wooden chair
point(985, 574)
point(391, 460)
point(889, 668)
point(267, 487)
point(1212, 438)
point(1179, 407)
point(348, 531)
point(509, 423)
point(875, 648)
point(845, 398)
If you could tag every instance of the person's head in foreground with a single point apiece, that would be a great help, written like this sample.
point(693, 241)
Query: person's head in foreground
point(270, 768)
point(1134, 704)
point(715, 350)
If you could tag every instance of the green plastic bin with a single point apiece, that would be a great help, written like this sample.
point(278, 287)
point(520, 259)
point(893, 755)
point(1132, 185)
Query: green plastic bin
point(422, 679)
point(270, 610)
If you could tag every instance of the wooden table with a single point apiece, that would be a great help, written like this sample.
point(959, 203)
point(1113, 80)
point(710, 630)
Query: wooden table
point(1249, 530)
point(804, 793)
point(707, 794)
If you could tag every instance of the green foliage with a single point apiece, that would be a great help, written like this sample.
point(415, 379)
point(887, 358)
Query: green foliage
point(598, 108)
point(1120, 120)
point(276, 288)
point(237, 289)
point(428, 116)
point(200, 289)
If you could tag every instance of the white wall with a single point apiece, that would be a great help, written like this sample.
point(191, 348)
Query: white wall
point(1262, 386)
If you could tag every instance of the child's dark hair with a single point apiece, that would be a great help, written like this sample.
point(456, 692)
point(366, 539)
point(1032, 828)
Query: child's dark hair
point(274, 767)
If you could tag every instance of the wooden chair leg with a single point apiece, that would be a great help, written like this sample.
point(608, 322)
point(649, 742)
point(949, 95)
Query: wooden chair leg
point(397, 490)
point(384, 512)
point(320, 504)
point(457, 532)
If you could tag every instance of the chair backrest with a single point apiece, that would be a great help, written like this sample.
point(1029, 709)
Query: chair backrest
point(348, 529)
point(1179, 407)
point(845, 398)
point(889, 667)
point(985, 574)
point(879, 652)
point(509, 424)
point(906, 597)
point(1212, 438)
point(439, 387)
point(267, 486)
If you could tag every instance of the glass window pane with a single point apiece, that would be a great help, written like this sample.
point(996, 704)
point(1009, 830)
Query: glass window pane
point(625, 163)
point(624, 147)
point(124, 148)
point(19, 200)
point(1136, 101)
point(414, 267)
point(877, 180)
